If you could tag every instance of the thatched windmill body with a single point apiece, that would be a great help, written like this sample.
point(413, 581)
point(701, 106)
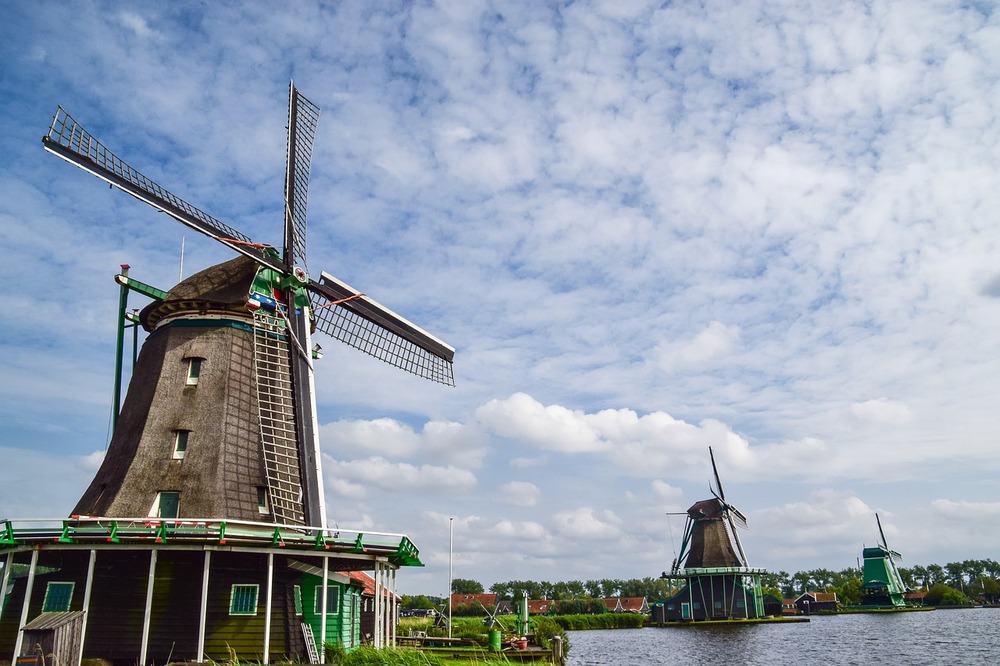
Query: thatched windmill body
point(717, 582)
point(205, 528)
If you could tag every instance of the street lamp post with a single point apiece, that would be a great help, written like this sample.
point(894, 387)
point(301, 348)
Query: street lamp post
point(451, 553)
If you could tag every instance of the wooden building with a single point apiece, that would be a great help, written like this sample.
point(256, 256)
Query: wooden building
point(204, 533)
point(190, 591)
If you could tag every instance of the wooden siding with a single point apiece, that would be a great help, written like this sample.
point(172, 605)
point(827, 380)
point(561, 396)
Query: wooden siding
point(343, 625)
point(118, 597)
point(709, 598)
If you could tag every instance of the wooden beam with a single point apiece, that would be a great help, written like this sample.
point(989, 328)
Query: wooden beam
point(86, 605)
point(24, 608)
point(203, 613)
point(149, 608)
point(267, 610)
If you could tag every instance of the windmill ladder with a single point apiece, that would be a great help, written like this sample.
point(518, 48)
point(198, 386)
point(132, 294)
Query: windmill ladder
point(277, 419)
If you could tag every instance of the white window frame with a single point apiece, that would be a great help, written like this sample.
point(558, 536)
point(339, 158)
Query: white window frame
point(318, 599)
point(256, 598)
point(154, 511)
point(181, 440)
point(69, 600)
point(193, 370)
point(263, 507)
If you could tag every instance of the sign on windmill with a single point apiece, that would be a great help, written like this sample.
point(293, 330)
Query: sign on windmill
point(246, 429)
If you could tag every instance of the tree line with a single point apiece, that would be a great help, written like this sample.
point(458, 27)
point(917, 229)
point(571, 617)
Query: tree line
point(968, 581)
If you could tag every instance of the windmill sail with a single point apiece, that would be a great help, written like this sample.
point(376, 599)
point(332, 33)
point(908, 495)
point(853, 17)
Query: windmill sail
point(303, 118)
point(256, 319)
point(396, 346)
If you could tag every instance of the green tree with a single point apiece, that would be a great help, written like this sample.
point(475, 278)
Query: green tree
point(943, 595)
point(419, 601)
point(466, 586)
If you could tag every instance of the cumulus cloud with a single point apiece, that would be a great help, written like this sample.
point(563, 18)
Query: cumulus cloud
point(714, 341)
point(520, 493)
point(551, 427)
point(964, 509)
point(587, 523)
point(881, 411)
point(396, 477)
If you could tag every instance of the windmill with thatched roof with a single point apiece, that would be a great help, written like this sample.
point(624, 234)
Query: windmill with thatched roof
point(716, 581)
point(205, 531)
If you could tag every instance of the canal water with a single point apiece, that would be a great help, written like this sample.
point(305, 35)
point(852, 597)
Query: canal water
point(932, 638)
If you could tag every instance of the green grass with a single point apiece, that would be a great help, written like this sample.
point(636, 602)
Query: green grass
point(369, 656)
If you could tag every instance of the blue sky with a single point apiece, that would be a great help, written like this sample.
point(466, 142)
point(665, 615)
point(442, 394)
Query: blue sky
point(647, 228)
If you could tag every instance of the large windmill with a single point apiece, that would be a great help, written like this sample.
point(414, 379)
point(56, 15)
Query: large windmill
point(270, 291)
point(881, 584)
point(204, 532)
point(717, 581)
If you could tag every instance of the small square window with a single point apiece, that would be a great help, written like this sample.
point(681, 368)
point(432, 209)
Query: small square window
point(166, 505)
point(180, 444)
point(332, 600)
point(262, 505)
point(57, 597)
point(194, 371)
point(243, 600)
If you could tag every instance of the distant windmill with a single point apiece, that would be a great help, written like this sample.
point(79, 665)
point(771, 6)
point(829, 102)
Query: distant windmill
point(718, 583)
point(881, 584)
point(229, 359)
point(710, 536)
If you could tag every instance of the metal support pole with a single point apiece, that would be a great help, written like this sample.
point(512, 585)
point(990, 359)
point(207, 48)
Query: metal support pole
point(119, 350)
point(203, 612)
point(24, 607)
point(451, 554)
point(149, 608)
point(86, 605)
point(267, 611)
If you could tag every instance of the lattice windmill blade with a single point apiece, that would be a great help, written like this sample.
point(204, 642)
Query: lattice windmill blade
point(303, 119)
point(718, 481)
point(360, 322)
point(736, 538)
point(740, 519)
point(344, 313)
point(70, 141)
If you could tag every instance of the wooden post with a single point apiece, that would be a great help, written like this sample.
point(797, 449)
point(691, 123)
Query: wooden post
point(203, 616)
point(149, 608)
point(377, 574)
point(393, 610)
point(267, 611)
point(86, 605)
point(4, 579)
point(24, 609)
point(322, 615)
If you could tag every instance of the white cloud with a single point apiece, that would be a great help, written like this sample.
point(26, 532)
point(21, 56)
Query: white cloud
point(881, 411)
point(587, 523)
point(663, 489)
point(520, 493)
point(551, 427)
point(714, 341)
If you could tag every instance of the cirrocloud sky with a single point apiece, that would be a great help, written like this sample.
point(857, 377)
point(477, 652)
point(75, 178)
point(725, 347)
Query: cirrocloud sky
point(647, 228)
